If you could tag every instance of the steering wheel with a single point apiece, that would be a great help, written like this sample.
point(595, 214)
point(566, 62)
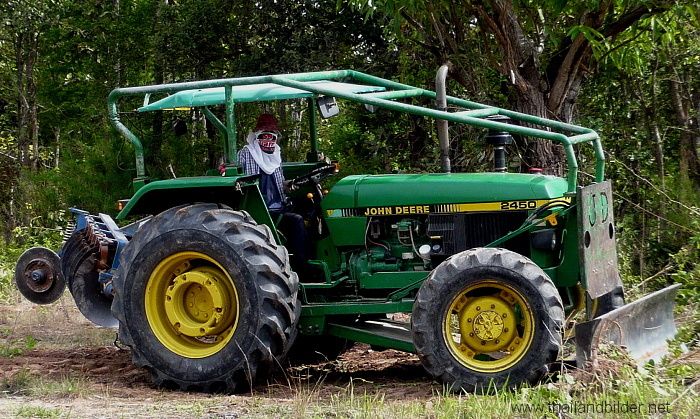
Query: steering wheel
point(314, 176)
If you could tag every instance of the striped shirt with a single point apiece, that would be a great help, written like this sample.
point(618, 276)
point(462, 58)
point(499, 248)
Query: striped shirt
point(250, 167)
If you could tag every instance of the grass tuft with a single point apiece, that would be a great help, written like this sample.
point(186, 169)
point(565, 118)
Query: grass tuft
point(39, 412)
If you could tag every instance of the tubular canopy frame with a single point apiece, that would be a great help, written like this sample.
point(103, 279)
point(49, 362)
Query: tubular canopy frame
point(350, 85)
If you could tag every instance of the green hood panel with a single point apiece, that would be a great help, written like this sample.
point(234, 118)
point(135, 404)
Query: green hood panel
point(361, 191)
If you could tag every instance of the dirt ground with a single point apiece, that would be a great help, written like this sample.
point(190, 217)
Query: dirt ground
point(55, 363)
point(63, 364)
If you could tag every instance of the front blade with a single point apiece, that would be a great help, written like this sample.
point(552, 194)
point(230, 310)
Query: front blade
point(642, 327)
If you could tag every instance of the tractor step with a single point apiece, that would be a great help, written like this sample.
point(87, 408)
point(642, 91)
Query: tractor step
point(382, 333)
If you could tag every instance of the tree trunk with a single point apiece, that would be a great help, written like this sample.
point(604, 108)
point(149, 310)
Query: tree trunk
point(26, 55)
point(542, 154)
point(117, 49)
point(22, 142)
point(57, 154)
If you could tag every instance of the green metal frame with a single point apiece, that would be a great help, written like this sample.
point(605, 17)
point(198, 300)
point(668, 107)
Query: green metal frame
point(566, 134)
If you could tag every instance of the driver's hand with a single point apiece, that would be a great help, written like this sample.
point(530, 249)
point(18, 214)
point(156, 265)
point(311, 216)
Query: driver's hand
point(289, 186)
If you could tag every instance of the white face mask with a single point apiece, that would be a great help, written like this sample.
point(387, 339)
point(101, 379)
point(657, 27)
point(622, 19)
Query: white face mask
point(268, 162)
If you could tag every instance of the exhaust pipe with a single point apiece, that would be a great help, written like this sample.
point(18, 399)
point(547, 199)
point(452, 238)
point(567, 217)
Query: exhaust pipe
point(441, 104)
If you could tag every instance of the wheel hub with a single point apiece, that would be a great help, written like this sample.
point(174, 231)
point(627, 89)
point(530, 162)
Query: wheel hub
point(487, 324)
point(197, 303)
point(39, 275)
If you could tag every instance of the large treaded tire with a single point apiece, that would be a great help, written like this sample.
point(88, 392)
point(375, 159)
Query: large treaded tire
point(470, 269)
point(268, 308)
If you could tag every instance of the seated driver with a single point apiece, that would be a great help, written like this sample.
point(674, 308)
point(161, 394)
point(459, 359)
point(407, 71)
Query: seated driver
point(262, 156)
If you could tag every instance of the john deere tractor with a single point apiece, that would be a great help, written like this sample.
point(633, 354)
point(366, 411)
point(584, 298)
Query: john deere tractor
point(488, 267)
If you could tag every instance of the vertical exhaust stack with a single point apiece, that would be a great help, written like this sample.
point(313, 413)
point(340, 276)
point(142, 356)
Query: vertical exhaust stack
point(499, 140)
point(441, 104)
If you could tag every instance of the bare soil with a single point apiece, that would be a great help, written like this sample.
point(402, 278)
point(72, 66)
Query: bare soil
point(58, 364)
point(55, 344)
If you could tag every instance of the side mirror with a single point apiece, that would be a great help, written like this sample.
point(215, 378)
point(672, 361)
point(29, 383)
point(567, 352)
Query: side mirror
point(327, 106)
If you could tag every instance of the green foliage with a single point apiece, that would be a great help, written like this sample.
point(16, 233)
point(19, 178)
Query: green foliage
point(86, 49)
point(39, 412)
point(14, 347)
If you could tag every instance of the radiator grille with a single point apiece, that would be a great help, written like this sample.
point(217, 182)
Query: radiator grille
point(465, 231)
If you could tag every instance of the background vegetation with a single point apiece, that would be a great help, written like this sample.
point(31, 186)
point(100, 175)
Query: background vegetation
point(629, 69)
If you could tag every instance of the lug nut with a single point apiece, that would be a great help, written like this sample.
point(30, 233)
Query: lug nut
point(469, 320)
point(478, 308)
point(504, 315)
point(505, 329)
point(483, 342)
point(493, 306)
point(471, 335)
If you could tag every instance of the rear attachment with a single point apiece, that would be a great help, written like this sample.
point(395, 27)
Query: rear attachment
point(642, 327)
point(38, 276)
point(87, 262)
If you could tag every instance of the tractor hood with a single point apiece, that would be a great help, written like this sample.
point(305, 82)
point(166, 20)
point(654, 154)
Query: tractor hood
point(361, 191)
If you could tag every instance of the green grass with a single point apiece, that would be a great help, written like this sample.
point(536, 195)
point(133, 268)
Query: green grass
point(618, 388)
point(625, 396)
point(6, 280)
point(39, 412)
point(24, 383)
point(14, 347)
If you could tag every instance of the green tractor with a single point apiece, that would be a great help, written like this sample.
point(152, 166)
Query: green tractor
point(488, 267)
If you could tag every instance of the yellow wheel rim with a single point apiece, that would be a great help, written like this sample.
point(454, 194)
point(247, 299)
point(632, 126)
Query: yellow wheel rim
point(191, 304)
point(488, 326)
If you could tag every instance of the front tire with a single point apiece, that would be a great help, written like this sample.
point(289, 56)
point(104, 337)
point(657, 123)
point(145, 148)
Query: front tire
point(487, 319)
point(206, 299)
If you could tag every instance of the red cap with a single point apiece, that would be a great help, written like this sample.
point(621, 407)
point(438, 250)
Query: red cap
point(266, 122)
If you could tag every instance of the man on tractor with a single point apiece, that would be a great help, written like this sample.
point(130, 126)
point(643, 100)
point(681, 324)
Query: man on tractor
point(262, 156)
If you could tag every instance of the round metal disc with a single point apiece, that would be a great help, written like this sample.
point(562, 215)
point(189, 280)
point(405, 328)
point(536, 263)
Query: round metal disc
point(38, 275)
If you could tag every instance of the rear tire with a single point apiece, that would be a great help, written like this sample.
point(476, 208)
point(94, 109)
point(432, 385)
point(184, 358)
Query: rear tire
point(487, 319)
point(206, 299)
